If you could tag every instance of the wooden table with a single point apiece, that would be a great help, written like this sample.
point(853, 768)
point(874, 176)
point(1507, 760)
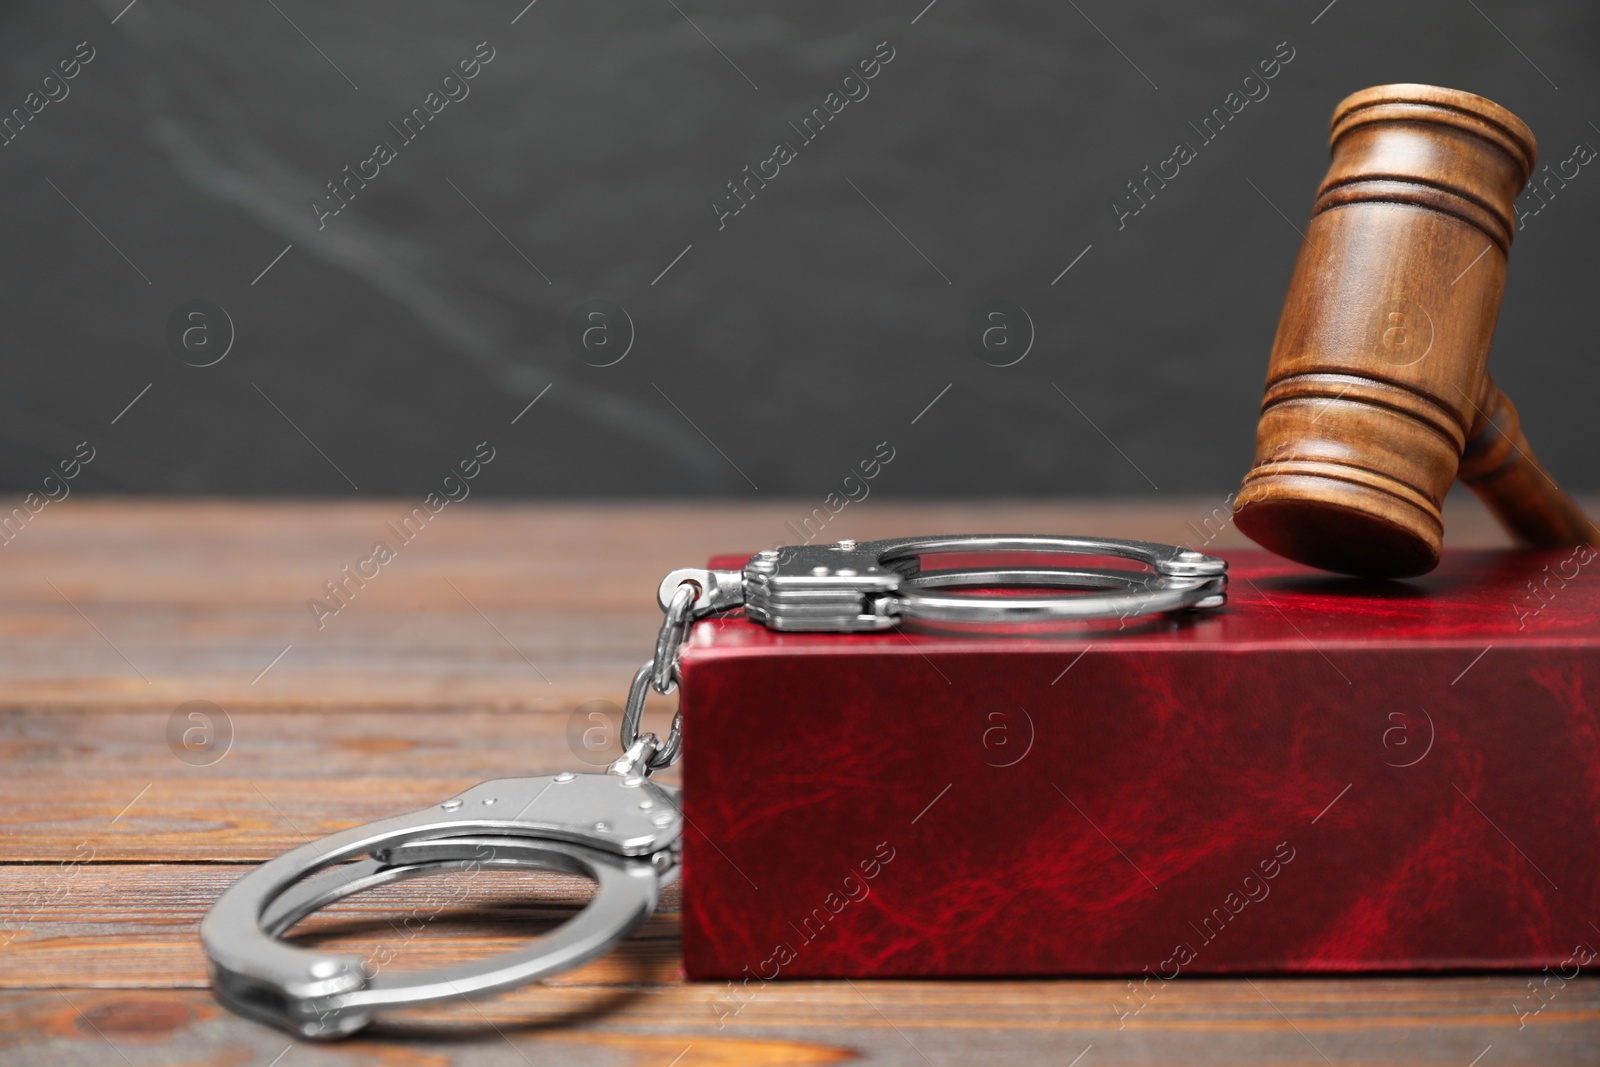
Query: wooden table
point(465, 658)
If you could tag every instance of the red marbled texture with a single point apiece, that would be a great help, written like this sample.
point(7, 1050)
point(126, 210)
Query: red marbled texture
point(1166, 766)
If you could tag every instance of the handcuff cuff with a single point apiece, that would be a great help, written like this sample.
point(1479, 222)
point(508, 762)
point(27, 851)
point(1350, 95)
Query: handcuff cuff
point(620, 829)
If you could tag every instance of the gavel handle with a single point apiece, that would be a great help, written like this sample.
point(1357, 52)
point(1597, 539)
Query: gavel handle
point(1498, 465)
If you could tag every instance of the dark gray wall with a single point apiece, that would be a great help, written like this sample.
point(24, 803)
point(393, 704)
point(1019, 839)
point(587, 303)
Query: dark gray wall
point(818, 322)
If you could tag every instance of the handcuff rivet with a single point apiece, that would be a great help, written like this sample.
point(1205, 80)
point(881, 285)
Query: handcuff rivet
point(602, 827)
point(845, 572)
point(565, 776)
point(633, 781)
point(646, 805)
point(768, 553)
point(820, 572)
point(450, 805)
point(662, 820)
point(847, 545)
point(489, 800)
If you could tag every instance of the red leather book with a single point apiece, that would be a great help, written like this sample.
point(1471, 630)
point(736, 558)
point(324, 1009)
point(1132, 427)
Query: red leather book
point(1326, 775)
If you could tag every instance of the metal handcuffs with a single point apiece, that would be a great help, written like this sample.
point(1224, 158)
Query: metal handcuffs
point(620, 829)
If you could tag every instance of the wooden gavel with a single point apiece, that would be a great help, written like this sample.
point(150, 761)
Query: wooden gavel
point(1378, 394)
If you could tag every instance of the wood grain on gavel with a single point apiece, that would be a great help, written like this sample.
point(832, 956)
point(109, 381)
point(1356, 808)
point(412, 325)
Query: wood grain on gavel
point(1378, 394)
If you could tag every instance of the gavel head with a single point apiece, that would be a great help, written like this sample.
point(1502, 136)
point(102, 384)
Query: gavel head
point(1378, 370)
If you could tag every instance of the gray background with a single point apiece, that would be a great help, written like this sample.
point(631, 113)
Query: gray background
point(795, 339)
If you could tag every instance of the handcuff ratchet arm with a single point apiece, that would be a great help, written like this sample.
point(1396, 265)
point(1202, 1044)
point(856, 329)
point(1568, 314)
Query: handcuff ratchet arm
point(620, 831)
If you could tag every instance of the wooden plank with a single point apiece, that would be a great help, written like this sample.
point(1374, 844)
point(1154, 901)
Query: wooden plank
point(215, 819)
point(148, 604)
point(1377, 1021)
point(137, 925)
point(437, 741)
point(134, 927)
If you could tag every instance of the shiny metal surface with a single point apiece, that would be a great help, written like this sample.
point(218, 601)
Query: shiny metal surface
point(854, 586)
point(678, 614)
point(622, 832)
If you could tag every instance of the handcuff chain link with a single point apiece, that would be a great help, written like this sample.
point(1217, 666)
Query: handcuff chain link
point(660, 672)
